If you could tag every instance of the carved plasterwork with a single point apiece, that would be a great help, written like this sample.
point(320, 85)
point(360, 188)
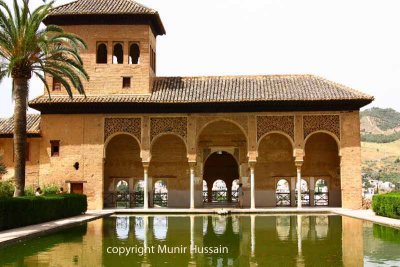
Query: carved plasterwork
point(176, 125)
point(314, 123)
point(122, 125)
point(266, 124)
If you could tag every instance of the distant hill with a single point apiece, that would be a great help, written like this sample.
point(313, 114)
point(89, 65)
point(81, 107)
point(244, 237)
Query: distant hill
point(380, 125)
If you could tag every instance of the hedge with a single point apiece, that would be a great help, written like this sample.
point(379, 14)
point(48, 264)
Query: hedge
point(22, 211)
point(387, 205)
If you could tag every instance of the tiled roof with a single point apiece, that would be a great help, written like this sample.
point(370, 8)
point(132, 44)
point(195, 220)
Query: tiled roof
point(84, 12)
point(82, 7)
point(228, 89)
point(32, 125)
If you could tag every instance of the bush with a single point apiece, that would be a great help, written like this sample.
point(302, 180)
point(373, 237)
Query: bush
point(6, 189)
point(3, 169)
point(387, 205)
point(49, 189)
point(22, 211)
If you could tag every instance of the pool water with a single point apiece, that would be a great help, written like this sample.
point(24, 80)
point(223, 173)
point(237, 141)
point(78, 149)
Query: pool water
point(238, 240)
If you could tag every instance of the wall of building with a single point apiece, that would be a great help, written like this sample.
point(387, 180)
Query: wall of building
point(32, 167)
point(107, 78)
point(82, 141)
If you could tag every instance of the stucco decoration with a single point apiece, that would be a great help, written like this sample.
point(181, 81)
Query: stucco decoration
point(176, 125)
point(122, 125)
point(314, 123)
point(266, 124)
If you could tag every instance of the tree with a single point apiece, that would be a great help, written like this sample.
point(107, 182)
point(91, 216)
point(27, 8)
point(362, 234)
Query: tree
point(26, 49)
point(3, 169)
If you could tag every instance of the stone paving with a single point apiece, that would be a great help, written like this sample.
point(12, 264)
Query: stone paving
point(13, 235)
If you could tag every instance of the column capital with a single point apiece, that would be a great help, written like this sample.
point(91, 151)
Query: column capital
point(298, 163)
point(252, 163)
point(146, 164)
point(192, 164)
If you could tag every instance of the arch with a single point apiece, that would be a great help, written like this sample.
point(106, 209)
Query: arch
point(283, 186)
point(276, 132)
point(118, 54)
point(122, 186)
point(218, 120)
point(107, 141)
point(101, 53)
point(219, 184)
point(155, 138)
point(304, 186)
point(139, 186)
point(134, 53)
point(221, 151)
point(321, 185)
point(324, 132)
point(282, 193)
point(160, 193)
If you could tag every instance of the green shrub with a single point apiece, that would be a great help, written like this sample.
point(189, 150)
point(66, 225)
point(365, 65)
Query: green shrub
point(387, 205)
point(22, 211)
point(49, 189)
point(6, 189)
point(3, 169)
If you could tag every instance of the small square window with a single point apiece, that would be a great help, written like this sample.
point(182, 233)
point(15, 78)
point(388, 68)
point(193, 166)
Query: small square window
point(126, 82)
point(55, 148)
point(56, 85)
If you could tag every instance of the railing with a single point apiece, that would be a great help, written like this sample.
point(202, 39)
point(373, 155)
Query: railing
point(221, 196)
point(123, 200)
point(283, 199)
point(305, 199)
point(321, 199)
point(160, 199)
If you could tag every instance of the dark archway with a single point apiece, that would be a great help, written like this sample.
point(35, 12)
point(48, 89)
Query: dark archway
point(220, 166)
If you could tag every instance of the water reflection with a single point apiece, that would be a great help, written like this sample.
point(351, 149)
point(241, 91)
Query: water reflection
point(122, 227)
point(255, 240)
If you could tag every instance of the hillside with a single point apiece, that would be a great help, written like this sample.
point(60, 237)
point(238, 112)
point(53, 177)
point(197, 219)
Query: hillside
point(380, 149)
point(380, 125)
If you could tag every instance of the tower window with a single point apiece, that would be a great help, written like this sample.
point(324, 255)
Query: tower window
point(55, 148)
point(153, 59)
point(118, 54)
point(56, 85)
point(126, 82)
point(134, 53)
point(101, 56)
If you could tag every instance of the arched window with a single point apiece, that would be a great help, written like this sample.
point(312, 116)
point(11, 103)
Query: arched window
point(321, 195)
point(118, 54)
point(160, 198)
point(134, 54)
point(219, 191)
point(282, 193)
point(101, 56)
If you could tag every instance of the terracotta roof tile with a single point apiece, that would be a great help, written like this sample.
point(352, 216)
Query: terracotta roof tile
point(228, 89)
point(94, 7)
point(32, 125)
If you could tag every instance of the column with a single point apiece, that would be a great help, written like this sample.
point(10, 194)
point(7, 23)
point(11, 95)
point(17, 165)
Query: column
point(192, 184)
point(298, 167)
point(293, 185)
point(312, 190)
point(146, 186)
point(299, 260)
point(252, 193)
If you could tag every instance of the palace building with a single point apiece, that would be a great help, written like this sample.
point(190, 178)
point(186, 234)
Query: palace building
point(138, 139)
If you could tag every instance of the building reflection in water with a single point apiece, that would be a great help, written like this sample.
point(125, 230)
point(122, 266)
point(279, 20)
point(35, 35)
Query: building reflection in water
point(122, 227)
point(252, 240)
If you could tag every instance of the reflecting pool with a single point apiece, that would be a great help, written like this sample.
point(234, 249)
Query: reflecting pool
point(237, 240)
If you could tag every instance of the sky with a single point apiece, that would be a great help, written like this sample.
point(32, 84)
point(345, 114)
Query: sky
point(352, 42)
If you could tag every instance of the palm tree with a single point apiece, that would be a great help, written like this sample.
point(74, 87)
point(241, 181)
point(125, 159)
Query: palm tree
point(26, 49)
